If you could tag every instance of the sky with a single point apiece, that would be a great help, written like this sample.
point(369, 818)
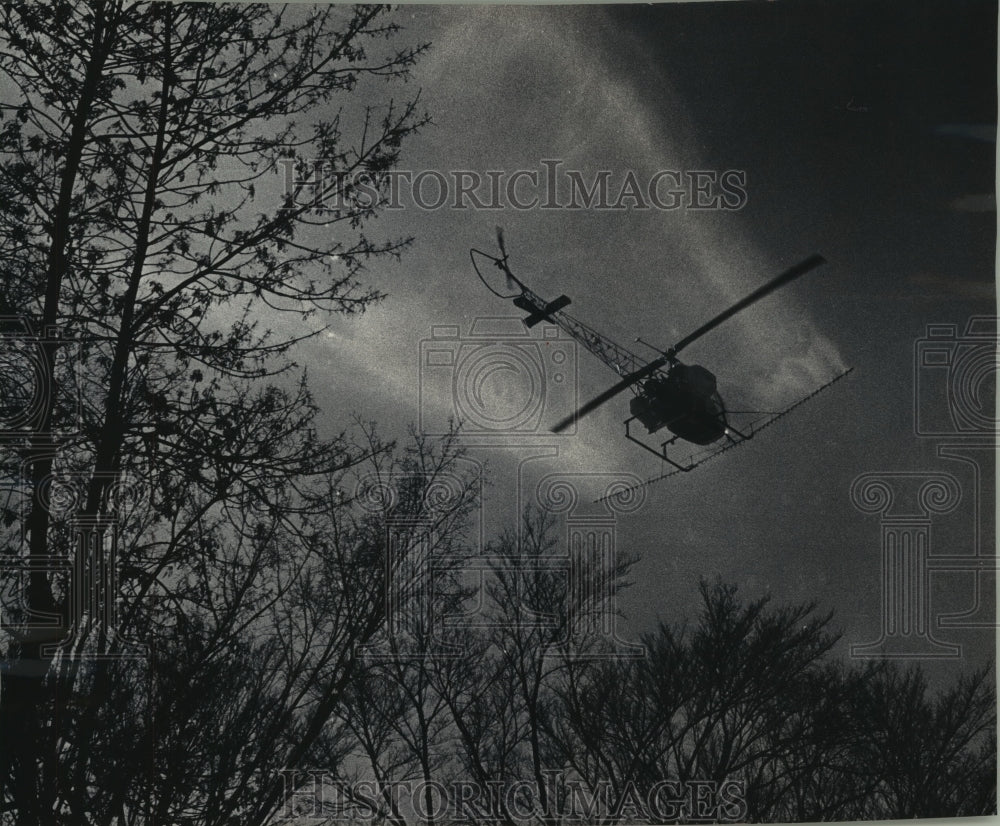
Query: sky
point(865, 131)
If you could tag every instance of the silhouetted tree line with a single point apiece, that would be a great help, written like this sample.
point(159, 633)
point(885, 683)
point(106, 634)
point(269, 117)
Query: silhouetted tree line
point(202, 594)
point(740, 714)
point(158, 196)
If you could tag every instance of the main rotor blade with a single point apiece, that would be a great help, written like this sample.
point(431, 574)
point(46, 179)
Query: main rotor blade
point(788, 275)
point(610, 393)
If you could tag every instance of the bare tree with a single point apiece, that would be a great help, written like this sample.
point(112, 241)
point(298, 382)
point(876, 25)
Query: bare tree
point(146, 219)
point(750, 695)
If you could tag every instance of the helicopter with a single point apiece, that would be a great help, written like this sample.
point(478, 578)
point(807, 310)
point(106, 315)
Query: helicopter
point(667, 394)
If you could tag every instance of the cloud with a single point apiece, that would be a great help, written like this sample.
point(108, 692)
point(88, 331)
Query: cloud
point(979, 202)
point(509, 87)
point(935, 286)
point(986, 132)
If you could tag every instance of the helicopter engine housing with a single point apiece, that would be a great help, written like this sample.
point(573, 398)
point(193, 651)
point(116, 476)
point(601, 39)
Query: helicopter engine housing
point(685, 401)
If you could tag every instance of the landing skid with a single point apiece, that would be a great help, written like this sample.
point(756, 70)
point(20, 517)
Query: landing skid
point(733, 436)
point(734, 439)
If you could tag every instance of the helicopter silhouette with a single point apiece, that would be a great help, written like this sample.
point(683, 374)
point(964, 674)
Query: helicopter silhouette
point(667, 393)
